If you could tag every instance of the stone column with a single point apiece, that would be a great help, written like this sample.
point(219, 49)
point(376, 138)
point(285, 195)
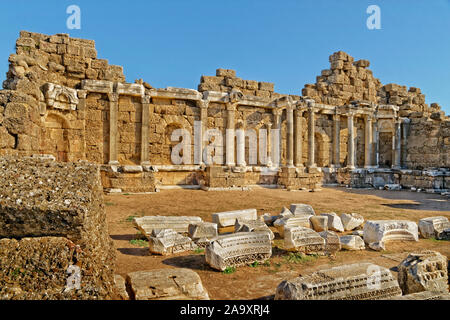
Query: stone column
point(311, 133)
point(229, 135)
point(351, 142)
point(200, 132)
point(368, 142)
point(290, 137)
point(276, 154)
point(299, 138)
point(397, 145)
point(113, 110)
point(82, 94)
point(375, 144)
point(336, 141)
point(144, 130)
point(269, 145)
point(240, 138)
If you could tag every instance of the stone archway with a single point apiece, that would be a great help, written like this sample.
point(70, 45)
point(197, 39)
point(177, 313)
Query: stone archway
point(386, 134)
point(322, 152)
point(55, 140)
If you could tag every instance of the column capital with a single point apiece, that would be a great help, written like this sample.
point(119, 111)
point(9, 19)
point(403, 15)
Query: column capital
point(82, 94)
point(336, 117)
point(277, 111)
point(231, 106)
point(310, 103)
point(145, 99)
point(203, 104)
point(113, 96)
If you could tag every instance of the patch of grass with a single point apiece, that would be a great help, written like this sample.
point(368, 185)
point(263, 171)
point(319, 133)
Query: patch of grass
point(109, 204)
point(254, 264)
point(266, 263)
point(130, 218)
point(435, 240)
point(229, 270)
point(199, 250)
point(297, 257)
point(125, 194)
point(276, 268)
point(139, 242)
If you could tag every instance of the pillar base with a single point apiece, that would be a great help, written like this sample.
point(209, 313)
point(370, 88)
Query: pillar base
point(145, 163)
point(351, 167)
point(113, 163)
point(396, 167)
point(370, 167)
point(335, 166)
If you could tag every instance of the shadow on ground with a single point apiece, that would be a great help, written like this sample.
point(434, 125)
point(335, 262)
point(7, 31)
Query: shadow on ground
point(134, 251)
point(193, 261)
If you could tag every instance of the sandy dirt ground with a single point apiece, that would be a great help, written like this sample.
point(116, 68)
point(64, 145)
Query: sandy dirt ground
point(260, 282)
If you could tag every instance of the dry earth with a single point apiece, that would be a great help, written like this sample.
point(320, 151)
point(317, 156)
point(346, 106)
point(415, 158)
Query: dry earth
point(260, 281)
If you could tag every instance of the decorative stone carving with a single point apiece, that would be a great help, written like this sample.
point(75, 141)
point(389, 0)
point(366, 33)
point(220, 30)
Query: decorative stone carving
point(351, 221)
point(334, 222)
point(332, 242)
point(168, 241)
point(252, 226)
point(303, 240)
point(296, 221)
point(424, 295)
point(424, 271)
point(377, 232)
point(166, 284)
point(361, 281)
point(433, 227)
point(300, 208)
point(228, 218)
point(238, 249)
point(60, 97)
point(180, 224)
point(352, 242)
point(319, 223)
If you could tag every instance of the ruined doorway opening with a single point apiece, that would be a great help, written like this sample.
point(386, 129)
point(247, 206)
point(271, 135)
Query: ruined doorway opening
point(385, 149)
point(56, 137)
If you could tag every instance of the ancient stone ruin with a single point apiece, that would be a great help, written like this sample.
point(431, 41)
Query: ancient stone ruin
point(54, 241)
point(348, 128)
point(364, 281)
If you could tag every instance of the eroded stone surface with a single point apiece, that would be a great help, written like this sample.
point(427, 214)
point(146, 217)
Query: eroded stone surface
point(378, 232)
point(352, 242)
point(228, 218)
point(302, 209)
point(362, 281)
point(121, 287)
point(303, 240)
point(334, 222)
point(238, 249)
point(296, 221)
point(168, 241)
point(433, 227)
point(351, 221)
point(424, 295)
point(166, 284)
point(424, 271)
point(180, 224)
point(332, 242)
point(252, 226)
point(319, 223)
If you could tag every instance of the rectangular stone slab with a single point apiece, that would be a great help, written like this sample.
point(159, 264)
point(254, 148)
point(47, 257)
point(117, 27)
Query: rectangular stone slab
point(180, 224)
point(361, 281)
point(228, 218)
point(238, 249)
point(380, 231)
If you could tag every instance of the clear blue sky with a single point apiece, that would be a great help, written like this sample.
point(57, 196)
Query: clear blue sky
point(174, 42)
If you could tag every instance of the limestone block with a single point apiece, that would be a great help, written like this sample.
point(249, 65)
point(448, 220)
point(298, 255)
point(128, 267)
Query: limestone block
point(360, 281)
point(252, 226)
point(358, 233)
point(228, 218)
point(203, 233)
point(285, 213)
point(334, 222)
point(444, 235)
point(432, 227)
point(178, 223)
point(238, 249)
point(319, 223)
point(332, 242)
point(121, 287)
point(300, 208)
point(377, 232)
point(168, 241)
point(296, 221)
point(352, 242)
point(268, 219)
point(424, 271)
point(166, 284)
point(303, 240)
point(351, 221)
